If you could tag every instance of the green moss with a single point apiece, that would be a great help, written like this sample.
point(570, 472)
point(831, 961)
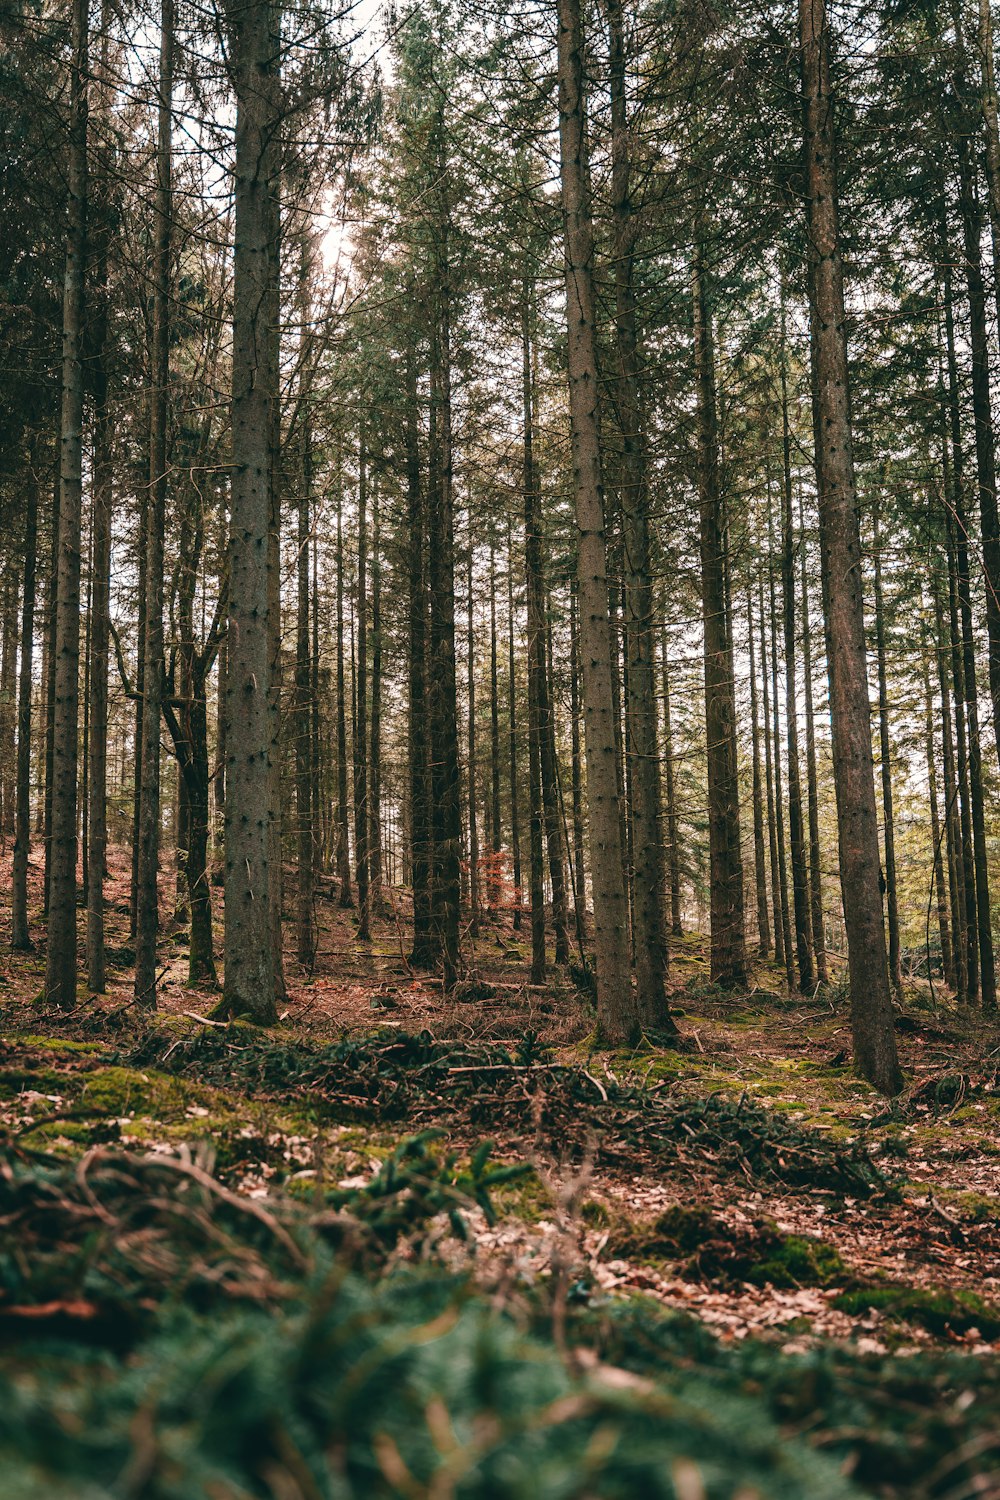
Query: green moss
point(55, 1044)
point(939, 1310)
point(800, 1261)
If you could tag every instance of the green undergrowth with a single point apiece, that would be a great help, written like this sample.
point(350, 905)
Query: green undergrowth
point(394, 1076)
point(941, 1311)
point(393, 1080)
point(165, 1338)
point(705, 1247)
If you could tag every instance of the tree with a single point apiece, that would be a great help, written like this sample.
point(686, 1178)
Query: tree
point(840, 543)
point(249, 987)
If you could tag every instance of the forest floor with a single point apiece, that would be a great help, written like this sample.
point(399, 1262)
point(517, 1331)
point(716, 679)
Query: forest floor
point(744, 1176)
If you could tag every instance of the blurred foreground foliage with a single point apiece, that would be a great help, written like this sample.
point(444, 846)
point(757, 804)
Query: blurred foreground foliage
point(188, 1342)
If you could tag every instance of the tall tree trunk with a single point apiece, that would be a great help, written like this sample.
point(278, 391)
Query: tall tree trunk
point(576, 767)
point(446, 801)
point(728, 951)
point(985, 445)
point(375, 743)
point(424, 954)
point(779, 799)
point(982, 979)
point(147, 901)
point(642, 731)
point(60, 967)
point(475, 899)
point(550, 796)
point(619, 1015)
point(20, 934)
point(772, 832)
point(940, 887)
point(840, 545)
point(361, 866)
point(885, 755)
point(536, 668)
point(760, 856)
point(251, 961)
point(496, 833)
point(305, 809)
point(812, 779)
point(97, 842)
point(515, 811)
point(8, 676)
point(343, 854)
point(673, 834)
point(796, 822)
point(954, 805)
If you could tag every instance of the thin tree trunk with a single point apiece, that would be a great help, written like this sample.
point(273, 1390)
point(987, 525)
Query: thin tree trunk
point(885, 755)
point(97, 842)
point(251, 961)
point(305, 809)
point(60, 968)
point(515, 812)
point(840, 544)
point(474, 884)
point(985, 438)
point(728, 951)
point(424, 954)
point(619, 1016)
point(343, 855)
point(8, 675)
point(536, 668)
point(375, 743)
point(496, 833)
point(953, 796)
point(361, 865)
point(445, 776)
point(576, 767)
point(642, 728)
point(982, 979)
point(779, 800)
point(796, 822)
point(673, 834)
point(760, 856)
point(812, 779)
point(940, 888)
point(772, 835)
point(20, 933)
point(147, 902)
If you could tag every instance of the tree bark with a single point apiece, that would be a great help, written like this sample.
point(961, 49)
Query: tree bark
point(147, 900)
point(796, 823)
point(812, 779)
point(97, 842)
point(673, 831)
point(305, 810)
point(515, 810)
point(446, 801)
point(343, 848)
point(642, 728)
point(728, 951)
point(60, 967)
point(20, 933)
point(251, 962)
point(361, 865)
point(885, 755)
point(424, 953)
point(619, 1015)
point(840, 544)
point(375, 741)
point(760, 857)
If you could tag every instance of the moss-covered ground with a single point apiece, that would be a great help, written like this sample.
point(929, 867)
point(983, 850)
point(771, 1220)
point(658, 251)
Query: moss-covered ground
point(745, 1177)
